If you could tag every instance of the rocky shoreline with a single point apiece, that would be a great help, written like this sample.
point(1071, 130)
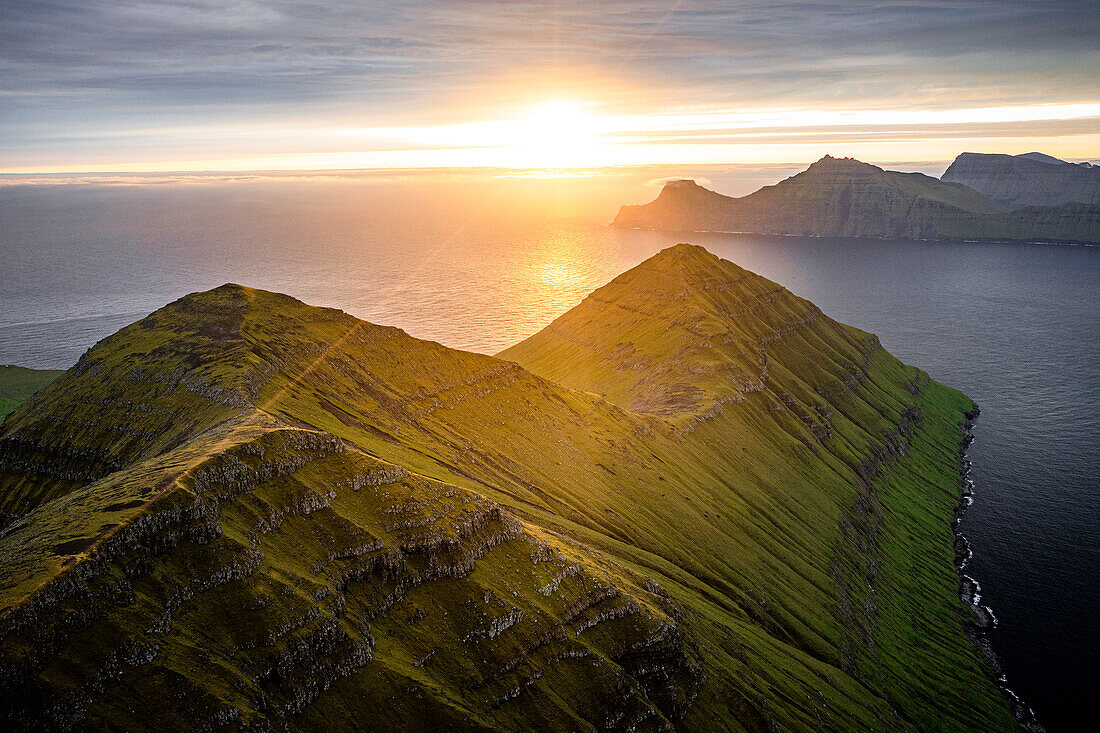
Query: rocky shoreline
point(970, 590)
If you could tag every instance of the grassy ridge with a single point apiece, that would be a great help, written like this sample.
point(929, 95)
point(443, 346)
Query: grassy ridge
point(669, 517)
point(800, 415)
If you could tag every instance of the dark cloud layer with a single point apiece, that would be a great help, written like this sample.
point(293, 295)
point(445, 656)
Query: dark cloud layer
point(67, 66)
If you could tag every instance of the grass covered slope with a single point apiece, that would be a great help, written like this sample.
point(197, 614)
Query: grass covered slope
point(847, 198)
point(843, 453)
point(149, 387)
point(18, 383)
point(695, 501)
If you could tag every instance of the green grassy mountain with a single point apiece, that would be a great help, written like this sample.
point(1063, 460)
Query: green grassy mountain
point(843, 197)
point(18, 383)
point(694, 502)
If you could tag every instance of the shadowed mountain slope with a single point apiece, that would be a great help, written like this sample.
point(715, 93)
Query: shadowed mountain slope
point(1031, 179)
point(843, 197)
point(698, 503)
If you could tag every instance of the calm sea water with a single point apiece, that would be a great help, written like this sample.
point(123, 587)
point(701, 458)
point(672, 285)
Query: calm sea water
point(1015, 326)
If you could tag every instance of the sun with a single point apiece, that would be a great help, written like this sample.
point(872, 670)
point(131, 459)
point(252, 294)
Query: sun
point(558, 134)
point(548, 137)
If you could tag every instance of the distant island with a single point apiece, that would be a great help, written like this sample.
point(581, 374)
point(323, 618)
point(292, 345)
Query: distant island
point(692, 501)
point(1031, 179)
point(843, 197)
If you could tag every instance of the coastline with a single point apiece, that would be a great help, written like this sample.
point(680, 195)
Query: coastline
point(970, 589)
point(965, 240)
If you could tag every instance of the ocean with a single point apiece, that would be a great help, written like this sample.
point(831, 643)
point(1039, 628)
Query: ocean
point(1014, 325)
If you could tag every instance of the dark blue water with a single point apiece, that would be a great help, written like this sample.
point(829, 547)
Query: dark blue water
point(1015, 326)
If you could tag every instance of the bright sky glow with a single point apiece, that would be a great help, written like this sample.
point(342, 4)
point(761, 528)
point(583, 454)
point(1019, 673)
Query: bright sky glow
point(163, 85)
point(572, 135)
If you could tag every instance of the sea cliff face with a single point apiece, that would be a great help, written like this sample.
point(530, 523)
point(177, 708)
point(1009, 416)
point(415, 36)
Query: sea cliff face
point(847, 198)
point(1019, 181)
point(692, 502)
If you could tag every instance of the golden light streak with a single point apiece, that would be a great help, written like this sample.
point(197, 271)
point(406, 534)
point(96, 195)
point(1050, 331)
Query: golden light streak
point(299, 380)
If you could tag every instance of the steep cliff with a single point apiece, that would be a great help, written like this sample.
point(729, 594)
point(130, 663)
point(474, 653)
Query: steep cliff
point(848, 198)
point(703, 504)
point(1031, 179)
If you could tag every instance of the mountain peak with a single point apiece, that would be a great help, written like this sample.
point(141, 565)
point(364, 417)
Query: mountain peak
point(681, 254)
point(684, 188)
point(1031, 180)
point(677, 273)
point(682, 183)
point(697, 323)
point(1043, 158)
point(830, 159)
point(829, 163)
point(191, 365)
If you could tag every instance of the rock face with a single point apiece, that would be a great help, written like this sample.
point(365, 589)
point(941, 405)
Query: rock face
point(695, 502)
point(848, 198)
point(1031, 179)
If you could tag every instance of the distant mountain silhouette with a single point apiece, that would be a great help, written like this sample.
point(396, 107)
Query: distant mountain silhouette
point(848, 198)
point(1031, 179)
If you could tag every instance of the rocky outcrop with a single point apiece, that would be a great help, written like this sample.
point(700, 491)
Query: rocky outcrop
point(1031, 179)
point(325, 584)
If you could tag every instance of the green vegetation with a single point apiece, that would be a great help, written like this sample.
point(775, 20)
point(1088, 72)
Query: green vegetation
point(18, 383)
point(842, 197)
point(692, 501)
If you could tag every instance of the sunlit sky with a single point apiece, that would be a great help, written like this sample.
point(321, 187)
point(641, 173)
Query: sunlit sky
point(224, 85)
